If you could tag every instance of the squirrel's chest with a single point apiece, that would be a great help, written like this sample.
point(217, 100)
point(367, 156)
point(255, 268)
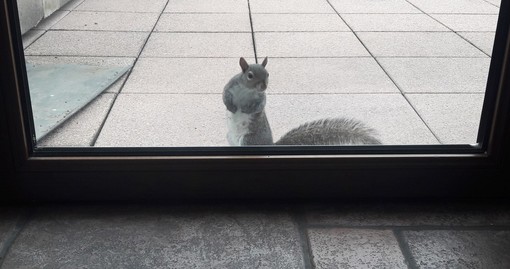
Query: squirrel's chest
point(238, 126)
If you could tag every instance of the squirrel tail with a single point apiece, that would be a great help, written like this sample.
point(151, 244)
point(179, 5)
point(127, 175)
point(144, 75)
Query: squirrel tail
point(336, 131)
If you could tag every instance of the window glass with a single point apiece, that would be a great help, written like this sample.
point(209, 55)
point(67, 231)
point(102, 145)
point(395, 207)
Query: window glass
point(169, 73)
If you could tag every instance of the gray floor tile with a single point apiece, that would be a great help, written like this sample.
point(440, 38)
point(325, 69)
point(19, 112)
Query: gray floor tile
point(81, 128)
point(438, 75)
point(88, 43)
point(368, 6)
point(392, 22)
point(368, 215)
point(323, 75)
point(99, 61)
point(483, 41)
point(31, 36)
point(355, 248)
point(460, 249)
point(199, 6)
point(465, 22)
point(109, 21)
point(389, 114)
point(121, 5)
point(48, 22)
point(150, 238)
point(454, 118)
point(290, 6)
point(199, 45)
point(211, 22)
point(297, 23)
point(181, 75)
point(408, 44)
point(165, 120)
point(309, 44)
point(455, 6)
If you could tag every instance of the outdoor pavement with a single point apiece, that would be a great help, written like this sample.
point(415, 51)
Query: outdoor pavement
point(415, 70)
point(273, 236)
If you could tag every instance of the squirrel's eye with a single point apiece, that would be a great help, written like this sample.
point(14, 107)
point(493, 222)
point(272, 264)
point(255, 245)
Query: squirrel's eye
point(250, 75)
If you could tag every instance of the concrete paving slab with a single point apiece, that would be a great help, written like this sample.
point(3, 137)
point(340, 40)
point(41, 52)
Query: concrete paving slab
point(177, 120)
point(464, 22)
point(165, 120)
point(81, 129)
point(99, 61)
point(355, 248)
point(181, 75)
point(408, 44)
point(327, 75)
point(199, 45)
point(309, 44)
point(122, 6)
point(389, 114)
point(48, 22)
point(455, 6)
point(369, 6)
point(199, 6)
point(297, 23)
point(156, 238)
point(483, 41)
point(460, 249)
point(392, 22)
point(454, 118)
point(31, 36)
point(108, 21)
point(210, 22)
point(88, 43)
point(438, 75)
point(290, 6)
point(444, 214)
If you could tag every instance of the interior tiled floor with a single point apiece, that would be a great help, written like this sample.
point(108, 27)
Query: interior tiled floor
point(349, 235)
point(415, 70)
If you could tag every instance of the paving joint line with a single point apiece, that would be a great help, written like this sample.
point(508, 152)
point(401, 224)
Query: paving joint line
point(300, 220)
point(19, 226)
point(252, 32)
point(405, 249)
point(100, 129)
point(465, 39)
point(387, 74)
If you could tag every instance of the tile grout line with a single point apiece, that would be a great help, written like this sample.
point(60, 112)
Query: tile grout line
point(116, 95)
point(20, 225)
point(387, 74)
point(252, 32)
point(490, 3)
point(300, 220)
point(405, 250)
point(465, 39)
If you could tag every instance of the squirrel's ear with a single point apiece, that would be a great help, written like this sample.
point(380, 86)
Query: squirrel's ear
point(243, 64)
point(264, 62)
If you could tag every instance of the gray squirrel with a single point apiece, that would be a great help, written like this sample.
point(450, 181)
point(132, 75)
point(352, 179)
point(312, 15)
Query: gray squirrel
point(245, 98)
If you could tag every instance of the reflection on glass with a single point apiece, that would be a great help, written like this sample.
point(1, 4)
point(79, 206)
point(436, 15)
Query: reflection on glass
point(152, 74)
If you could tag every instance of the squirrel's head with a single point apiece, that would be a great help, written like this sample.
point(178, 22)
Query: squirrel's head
point(254, 76)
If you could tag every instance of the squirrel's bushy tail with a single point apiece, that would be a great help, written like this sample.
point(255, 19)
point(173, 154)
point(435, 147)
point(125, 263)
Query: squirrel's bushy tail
point(336, 131)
